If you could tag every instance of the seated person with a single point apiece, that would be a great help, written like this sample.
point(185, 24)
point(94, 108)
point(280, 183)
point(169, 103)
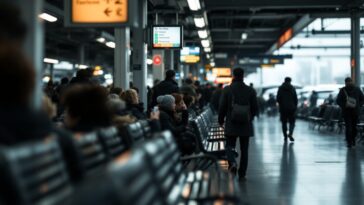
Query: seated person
point(181, 109)
point(133, 106)
point(86, 108)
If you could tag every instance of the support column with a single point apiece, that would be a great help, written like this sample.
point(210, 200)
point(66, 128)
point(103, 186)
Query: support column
point(158, 70)
point(34, 42)
point(121, 58)
point(169, 59)
point(355, 47)
point(81, 51)
point(140, 68)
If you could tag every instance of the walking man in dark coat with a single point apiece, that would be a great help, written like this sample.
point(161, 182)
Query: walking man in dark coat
point(166, 87)
point(350, 112)
point(241, 94)
point(287, 100)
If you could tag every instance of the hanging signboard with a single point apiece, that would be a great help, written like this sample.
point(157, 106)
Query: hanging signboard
point(167, 36)
point(101, 13)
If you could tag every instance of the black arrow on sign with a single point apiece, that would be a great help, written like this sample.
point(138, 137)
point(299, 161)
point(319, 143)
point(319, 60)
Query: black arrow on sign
point(107, 11)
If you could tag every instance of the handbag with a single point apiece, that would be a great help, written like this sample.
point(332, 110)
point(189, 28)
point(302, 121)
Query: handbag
point(240, 114)
point(350, 101)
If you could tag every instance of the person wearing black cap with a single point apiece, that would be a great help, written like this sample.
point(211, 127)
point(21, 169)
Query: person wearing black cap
point(166, 87)
point(350, 99)
point(238, 104)
point(287, 100)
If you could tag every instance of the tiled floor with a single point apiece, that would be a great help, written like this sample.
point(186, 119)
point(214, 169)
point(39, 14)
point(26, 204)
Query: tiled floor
point(316, 169)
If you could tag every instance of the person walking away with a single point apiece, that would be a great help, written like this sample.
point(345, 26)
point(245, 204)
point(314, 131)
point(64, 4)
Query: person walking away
point(237, 109)
point(313, 99)
point(287, 100)
point(350, 99)
point(166, 87)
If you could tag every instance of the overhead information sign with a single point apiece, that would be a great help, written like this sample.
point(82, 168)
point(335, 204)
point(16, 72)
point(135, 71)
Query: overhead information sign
point(190, 55)
point(167, 36)
point(221, 72)
point(97, 13)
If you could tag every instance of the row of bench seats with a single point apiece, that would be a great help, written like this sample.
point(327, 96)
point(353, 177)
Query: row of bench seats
point(133, 166)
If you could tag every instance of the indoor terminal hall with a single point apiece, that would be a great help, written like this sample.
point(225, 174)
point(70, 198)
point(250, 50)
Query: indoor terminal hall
point(181, 102)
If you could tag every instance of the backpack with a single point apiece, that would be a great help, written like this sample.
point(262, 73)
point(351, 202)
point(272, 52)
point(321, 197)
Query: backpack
point(350, 101)
point(240, 114)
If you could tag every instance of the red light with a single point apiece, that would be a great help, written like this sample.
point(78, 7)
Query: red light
point(157, 60)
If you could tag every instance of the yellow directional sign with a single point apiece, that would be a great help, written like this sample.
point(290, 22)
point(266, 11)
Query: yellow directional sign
point(99, 11)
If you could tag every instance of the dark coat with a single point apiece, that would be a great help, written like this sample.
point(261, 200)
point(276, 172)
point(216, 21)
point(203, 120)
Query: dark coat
point(287, 98)
point(19, 125)
point(168, 122)
point(136, 111)
point(244, 95)
point(215, 99)
point(353, 92)
point(165, 87)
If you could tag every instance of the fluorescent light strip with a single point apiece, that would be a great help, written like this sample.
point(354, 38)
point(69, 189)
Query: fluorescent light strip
point(194, 5)
point(48, 17)
point(199, 22)
point(101, 40)
point(110, 44)
point(244, 36)
point(205, 43)
point(50, 60)
point(202, 34)
point(207, 49)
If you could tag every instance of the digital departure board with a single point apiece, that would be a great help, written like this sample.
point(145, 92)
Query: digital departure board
point(167, 37)
point(190, 55)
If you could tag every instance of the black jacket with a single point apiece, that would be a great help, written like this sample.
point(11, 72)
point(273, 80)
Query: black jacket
point(136, 111)
point(243, 95)
point(168, 122)
point(163, 88)
point(287, 98)
point(353, 92)
point(215, 99)
point(21, 124)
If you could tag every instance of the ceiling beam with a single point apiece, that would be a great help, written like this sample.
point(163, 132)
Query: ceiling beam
point(271, 16)
point(268, 29)
point(217, 40)
point(239, 46)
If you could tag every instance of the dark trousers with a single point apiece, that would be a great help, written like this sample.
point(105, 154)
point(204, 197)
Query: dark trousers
point(244, 148)
point(288, 117)
point(350, 127)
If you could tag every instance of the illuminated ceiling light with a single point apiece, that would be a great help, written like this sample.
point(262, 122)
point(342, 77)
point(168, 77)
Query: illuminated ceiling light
point(212, 64)
point(194, 5)
point(207, 49)
point(208, 56)
point(110, 44)
point(202, 34)
point(101, 40)
point(50, 60)
point(244, 36)
point(205, 43)
point(149, 61)
point(48, 17)
point(199, 22)
point(81, 66)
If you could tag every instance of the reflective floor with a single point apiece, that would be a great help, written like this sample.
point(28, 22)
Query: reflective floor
point(316, 169)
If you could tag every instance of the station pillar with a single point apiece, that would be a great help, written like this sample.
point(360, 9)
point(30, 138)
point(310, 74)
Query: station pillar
point(355, 47)
point(122, 58)
point(34, 42)
point(139, 67)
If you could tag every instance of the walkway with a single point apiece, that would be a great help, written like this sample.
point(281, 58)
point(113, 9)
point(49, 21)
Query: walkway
point(317, 169)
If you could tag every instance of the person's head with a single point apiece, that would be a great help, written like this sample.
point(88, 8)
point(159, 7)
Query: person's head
point(17, 72)
point(188, 81)
point(116, 90)
point(220, 85)
point(197, 83)
point(180, 104)
point(238, 74)
point(86, 106)
point(167, 102)
point(287, 80)
point(130, 96)
point(348, 81)
point(115, 104)
point(251, 85)
point(13, 28)
point(64, 81)
point(170, 75)
point(189, 100)
point(156, 82)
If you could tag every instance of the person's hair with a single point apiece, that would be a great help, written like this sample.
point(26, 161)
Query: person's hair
point(238, 73)
point(116, 90)
point(188, 81)
point(197, 83)
point(88, 103)
point(129, 96)
point(13, 28)
point(188, 99)
point(287, 80)
point(177, 97)
point(220, 85)
point(64, 80)
point(18, 73)
point(170, 74)
point(348, 80)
